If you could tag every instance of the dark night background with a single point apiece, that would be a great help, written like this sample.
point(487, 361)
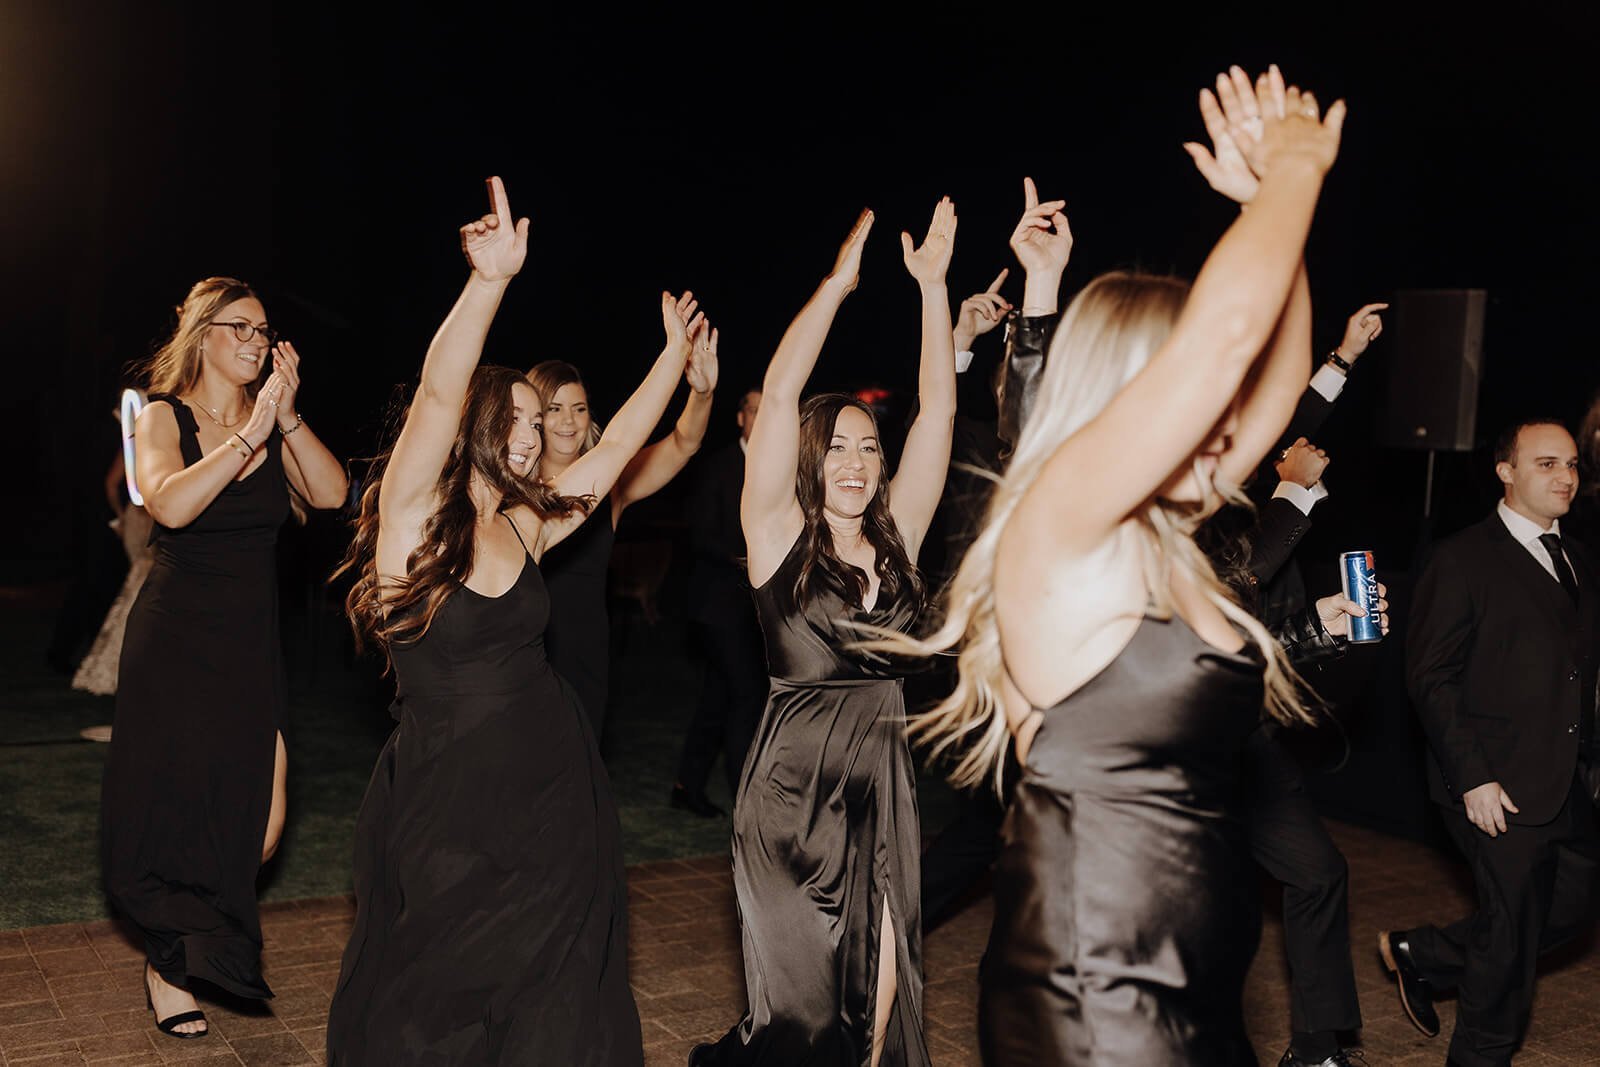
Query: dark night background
point(326, 154)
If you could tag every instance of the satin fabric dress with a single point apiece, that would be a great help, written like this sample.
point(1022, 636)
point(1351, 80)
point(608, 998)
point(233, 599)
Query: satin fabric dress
point(578, 638)
point(825, 831)
point(1126, 902)
point(491, 922)
point(201, 696)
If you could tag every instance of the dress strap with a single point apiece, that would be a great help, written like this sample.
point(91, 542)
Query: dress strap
point(518, 532)
point(188, 427)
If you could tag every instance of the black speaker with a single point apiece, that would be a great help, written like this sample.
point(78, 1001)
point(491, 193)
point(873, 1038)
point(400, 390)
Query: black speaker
point(1434, 364)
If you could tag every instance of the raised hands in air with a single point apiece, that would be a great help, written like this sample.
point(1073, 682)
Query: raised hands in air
point(494, 245)
point(980, 313)
point(846, 273)
point(1360, 331)
point(701, 371)
point(1255, 127)
point(1042, 240)
point(929, 263)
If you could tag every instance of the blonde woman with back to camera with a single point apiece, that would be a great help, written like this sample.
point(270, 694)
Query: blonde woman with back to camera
point(1095, 635)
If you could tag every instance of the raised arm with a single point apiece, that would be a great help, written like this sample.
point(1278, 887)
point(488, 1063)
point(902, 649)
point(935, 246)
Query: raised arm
point(1155, 423)
point(312, 470)
point(595, 472)
point(660, 462)
point(914, 492)
point(768, 510)
point(495, 248)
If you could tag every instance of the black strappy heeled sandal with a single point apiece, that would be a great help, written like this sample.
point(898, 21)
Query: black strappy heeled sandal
point(170, 1024)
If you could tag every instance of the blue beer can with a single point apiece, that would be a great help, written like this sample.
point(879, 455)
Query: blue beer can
point(1360, 582)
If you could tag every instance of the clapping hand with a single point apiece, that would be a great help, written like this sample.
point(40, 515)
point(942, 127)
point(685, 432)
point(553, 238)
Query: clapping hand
point(493, 245)
point(1362, 329)
point(929, 263)
point(1224, 166)
point(1042, 240)
point(286, 362)
point(846, 271)
point(680, 319)
point(1277, 124)
point(701, 370)
point(980, 313)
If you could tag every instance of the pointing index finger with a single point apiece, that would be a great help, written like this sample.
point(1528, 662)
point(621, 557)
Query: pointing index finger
point(498, 201)
point(1001, 277)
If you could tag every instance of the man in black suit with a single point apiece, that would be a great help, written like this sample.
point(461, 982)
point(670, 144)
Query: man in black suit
point(1501, 667)
point(723, 620)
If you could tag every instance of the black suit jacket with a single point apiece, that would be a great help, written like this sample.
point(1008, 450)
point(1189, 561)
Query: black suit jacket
point(1500, 666)
point(721, 588)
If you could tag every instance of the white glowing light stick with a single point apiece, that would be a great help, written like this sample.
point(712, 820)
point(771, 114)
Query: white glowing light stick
point(132, 404)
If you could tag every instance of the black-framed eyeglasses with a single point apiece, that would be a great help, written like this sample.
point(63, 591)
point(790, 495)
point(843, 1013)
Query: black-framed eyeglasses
point(245, 331)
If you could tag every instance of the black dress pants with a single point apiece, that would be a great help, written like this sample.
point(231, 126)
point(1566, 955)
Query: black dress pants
point(1290, 843)
point(1537, 887)
point(731, 700)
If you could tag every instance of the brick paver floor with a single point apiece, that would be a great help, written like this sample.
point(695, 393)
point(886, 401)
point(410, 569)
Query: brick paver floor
point(71, 994)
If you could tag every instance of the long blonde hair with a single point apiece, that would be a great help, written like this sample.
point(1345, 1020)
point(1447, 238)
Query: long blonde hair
point(175, 368)
point(1107, 335)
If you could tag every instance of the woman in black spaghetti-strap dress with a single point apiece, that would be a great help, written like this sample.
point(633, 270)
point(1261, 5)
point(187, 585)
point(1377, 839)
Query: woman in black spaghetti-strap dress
point(579, 635)
point(826, 840)
point(1096, 636)
point(491, 908)
point(192, 804)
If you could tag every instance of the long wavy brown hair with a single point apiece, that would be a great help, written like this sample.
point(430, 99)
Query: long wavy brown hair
point(392, 610)
point(175, 367)
point(821, 569)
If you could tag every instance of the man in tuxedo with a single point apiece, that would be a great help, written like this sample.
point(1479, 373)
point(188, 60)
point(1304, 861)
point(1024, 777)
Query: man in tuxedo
point(1501, 666)
point(723, 620)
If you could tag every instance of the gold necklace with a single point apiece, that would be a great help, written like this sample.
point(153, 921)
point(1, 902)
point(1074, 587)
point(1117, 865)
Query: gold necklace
point(213, 418)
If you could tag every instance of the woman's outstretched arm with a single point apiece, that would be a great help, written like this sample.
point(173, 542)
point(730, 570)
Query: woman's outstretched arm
point(495, 248)
point(768, 510)
point(1105, 470)
point(596, 471)
point(915, 491)
point(660, 462)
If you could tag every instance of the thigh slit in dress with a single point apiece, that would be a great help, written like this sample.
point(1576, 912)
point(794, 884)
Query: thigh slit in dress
point(825, 831)
point(200, 701)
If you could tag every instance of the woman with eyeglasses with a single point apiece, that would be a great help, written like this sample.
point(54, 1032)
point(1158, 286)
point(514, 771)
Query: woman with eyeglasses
point(193, 800)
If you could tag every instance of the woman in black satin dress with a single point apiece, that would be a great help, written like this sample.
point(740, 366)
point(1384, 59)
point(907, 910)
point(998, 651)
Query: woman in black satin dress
point(1094, 633)
point(491, 922)
point(825, 833)
point(579, 635)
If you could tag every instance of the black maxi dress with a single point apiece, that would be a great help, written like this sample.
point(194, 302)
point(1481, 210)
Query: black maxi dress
point(1125, 897)
point(200, 700)
point(491, 913)
point(825, 832)
point(578, 638)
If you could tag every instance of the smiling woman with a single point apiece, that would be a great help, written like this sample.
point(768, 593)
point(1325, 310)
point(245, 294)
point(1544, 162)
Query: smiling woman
point(193, 802)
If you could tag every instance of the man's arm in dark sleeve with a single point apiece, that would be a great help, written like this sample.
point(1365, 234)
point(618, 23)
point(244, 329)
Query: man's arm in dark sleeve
point(1027, 344)
point(1279, 528)
point(1439, 641)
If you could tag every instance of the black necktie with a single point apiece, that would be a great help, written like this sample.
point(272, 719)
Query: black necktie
point(1552, 544)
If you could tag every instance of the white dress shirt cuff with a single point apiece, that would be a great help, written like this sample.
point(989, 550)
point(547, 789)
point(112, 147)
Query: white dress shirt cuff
point(1301, 497)
point(1329, 381)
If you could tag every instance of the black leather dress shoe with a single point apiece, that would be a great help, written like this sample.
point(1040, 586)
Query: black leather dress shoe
point(1416, 994)
point(695, 802)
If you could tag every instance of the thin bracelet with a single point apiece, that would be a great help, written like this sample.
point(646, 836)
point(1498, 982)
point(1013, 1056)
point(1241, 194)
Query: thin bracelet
point(1337, 361)
point(299, 421)
point(241, 446)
